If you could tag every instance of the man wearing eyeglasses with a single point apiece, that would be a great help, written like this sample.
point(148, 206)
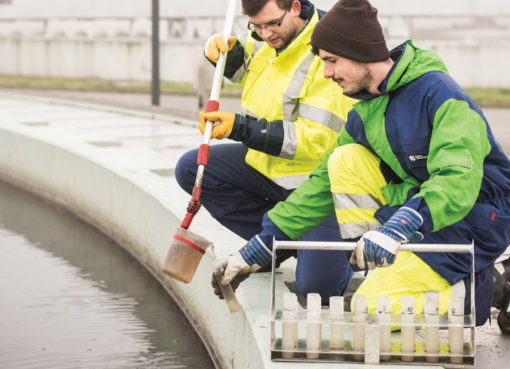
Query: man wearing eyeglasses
point(291, 117)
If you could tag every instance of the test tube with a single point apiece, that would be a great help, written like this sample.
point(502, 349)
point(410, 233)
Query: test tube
point(227, 291)
point(384, 317)
point(359, 318)
point(456, 333)
point(432, 332)
point(407, 332)
point(289, 325)
point(313, 325)
point(336, 315)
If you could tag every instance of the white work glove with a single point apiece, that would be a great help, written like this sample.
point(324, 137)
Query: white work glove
point(250, 258)
point(236, 265)
point(235, 270)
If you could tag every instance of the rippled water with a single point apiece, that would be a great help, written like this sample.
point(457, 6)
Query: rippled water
point(71, 298)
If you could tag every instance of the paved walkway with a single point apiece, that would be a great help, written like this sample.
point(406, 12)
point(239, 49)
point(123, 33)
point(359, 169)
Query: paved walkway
point(187, 107)
point(182, 106)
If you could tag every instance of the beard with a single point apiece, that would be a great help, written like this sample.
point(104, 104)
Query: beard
point(359, 82)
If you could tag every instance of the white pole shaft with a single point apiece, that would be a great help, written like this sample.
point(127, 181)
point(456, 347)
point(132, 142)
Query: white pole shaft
point(217, 81)
point(220, 65)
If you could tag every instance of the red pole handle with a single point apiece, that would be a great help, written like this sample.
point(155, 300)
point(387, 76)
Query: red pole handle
point(212, 105)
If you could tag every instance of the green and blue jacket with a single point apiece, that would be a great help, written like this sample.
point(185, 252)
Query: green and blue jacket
point(445, 161)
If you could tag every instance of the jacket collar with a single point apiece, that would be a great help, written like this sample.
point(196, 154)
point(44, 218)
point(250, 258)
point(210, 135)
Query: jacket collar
point(410, 63)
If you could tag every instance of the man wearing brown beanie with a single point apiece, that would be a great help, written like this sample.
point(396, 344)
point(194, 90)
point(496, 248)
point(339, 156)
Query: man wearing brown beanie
point(415, 162)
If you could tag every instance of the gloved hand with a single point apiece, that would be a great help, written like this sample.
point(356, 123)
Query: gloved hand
point(236, 265)
point(234, 283)
point(222, 127)
point(216, 45)
point(250, 258)
point(379, 247)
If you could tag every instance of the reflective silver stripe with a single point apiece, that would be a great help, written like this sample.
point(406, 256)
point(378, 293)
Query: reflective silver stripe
point(347, 201)
point(290, 98)
point(289, 140)
point(238, 75)
point(290, 182)
point(247, 112)
point(383, 240)
point(354, 230)
point(256, 47)
point(321, 116)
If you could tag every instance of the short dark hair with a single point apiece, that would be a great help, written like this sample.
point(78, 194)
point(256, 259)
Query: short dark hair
point(252, 7)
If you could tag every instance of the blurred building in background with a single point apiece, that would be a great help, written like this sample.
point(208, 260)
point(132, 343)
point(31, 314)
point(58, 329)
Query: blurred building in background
point(110, 39)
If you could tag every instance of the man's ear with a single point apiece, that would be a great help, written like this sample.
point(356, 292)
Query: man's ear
point(296, 8)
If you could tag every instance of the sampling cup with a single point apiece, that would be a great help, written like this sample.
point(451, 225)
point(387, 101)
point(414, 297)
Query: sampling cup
point(184, 255)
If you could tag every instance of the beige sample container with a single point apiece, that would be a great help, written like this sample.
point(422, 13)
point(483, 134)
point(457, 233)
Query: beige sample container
point(359, 318)
point(313, 325)
point(184, 255)
point(456, 330)
point(226, 290)
point(432, 332)
point(289, 325)
point(407, 332)
point(336, 316)
point(384, 317)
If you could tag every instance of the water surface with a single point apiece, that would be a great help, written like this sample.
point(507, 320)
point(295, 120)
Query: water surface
point(72, 298)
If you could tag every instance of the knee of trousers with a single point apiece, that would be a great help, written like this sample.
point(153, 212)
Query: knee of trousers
point(324, 272)
point(350, 158)
point(408, 275)
point(186, 170)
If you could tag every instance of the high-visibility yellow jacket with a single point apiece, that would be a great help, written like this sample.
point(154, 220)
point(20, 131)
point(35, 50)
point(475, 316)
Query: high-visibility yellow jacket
point(292, 113)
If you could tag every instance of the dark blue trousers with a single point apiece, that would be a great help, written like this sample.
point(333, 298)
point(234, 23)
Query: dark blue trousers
point(238, 196)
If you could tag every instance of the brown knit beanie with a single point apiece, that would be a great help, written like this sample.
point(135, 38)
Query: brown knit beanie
point(351, 30)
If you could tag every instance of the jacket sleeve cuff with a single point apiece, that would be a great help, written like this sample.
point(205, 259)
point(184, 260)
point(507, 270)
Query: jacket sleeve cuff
point(419, 205)
point(237, 133)
point(258, 134)
point(259, 249)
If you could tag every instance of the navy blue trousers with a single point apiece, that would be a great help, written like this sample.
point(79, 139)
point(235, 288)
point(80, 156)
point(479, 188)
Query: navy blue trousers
point(238, 196)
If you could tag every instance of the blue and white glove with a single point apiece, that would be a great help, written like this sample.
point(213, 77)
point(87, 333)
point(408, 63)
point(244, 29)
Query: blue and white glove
point(378, 248)
point(250, 258)
point(257, 253)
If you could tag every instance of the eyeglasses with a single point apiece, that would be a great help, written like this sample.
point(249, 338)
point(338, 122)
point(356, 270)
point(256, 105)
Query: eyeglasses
point(269, 25)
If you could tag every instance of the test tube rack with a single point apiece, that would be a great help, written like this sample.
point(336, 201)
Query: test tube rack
point(374, 329)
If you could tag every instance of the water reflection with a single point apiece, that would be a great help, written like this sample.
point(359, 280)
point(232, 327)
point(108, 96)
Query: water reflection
point(72, 298)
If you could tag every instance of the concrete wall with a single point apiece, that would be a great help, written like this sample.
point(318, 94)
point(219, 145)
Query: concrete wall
point(100, 39)
point(470, 63)
point(111, 59)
